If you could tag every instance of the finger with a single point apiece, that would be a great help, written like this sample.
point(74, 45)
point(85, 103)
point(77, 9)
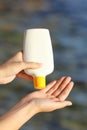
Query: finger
point(63, 104)
point(62, 86)
point(19, 66)
point(55, 86)
point(25, 65)
point(24, 76)
point(50, 85)
point(31, 65)
point(64, 94)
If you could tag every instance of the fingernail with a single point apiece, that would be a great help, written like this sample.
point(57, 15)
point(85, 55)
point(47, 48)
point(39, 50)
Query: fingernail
point(39, 64)
point(69, 104)
point(54, 81)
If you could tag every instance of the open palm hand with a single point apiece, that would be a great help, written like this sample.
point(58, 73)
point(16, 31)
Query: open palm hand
point(53, 96)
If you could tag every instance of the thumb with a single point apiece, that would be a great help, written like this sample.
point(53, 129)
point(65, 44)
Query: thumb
point(31, 65)
point(19, 66)
point(63, 104)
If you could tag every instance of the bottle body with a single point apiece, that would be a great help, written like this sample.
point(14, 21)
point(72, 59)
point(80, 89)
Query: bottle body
point(38, 48)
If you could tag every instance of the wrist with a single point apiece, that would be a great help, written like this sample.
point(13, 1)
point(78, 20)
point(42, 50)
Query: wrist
point(18, 115)
point(35, 107)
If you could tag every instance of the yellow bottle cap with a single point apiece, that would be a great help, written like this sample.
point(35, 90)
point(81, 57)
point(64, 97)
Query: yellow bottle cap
point(39, 82)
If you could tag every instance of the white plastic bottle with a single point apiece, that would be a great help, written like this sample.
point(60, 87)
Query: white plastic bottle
point(38, 48)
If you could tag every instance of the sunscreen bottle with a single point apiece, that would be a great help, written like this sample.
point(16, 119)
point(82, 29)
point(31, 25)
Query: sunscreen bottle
point(38, 48)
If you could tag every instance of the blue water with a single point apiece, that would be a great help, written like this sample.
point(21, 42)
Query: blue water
point(67, 22)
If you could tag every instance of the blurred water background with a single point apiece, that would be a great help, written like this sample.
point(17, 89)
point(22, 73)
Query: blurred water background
point(67, 22)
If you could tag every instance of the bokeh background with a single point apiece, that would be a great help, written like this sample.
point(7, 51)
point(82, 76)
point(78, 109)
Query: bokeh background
point(67, 22)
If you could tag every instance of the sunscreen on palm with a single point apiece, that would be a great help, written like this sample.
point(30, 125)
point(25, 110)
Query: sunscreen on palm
point(38, 48)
